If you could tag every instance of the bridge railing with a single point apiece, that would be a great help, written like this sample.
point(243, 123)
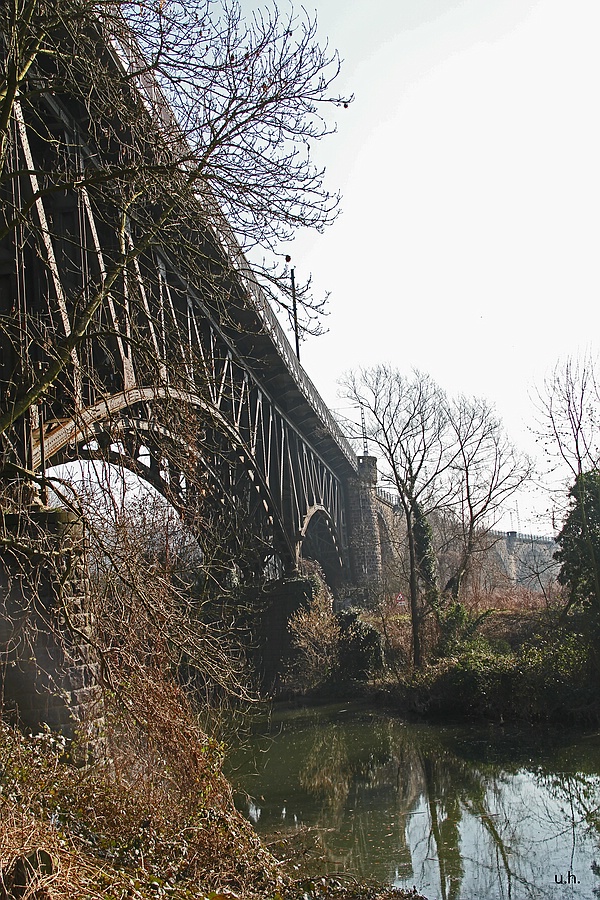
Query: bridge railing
point(129, 55)
point(519, 536)
point(388, 496)
point(286, 352)
point(393, 500)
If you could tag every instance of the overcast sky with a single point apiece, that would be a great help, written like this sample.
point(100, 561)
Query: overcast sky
point(470, 168)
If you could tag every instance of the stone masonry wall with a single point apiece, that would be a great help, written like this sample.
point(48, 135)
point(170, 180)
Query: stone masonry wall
point(364, 532)
point(48, 673)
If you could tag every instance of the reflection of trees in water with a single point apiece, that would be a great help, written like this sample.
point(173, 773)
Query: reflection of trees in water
point(327, 772)
point(498, 834)
point(365, 791)
point(576, 804)
point(417, 804)
point(453, 786)
point(354, 785)
point(445, 814)
point(369, 799)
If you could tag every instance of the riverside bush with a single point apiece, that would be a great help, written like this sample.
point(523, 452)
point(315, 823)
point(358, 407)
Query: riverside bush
point(315, 633)
point(547, 679)
point(458, 626)
point(360, 649)
point(557, 679)
point(330, 649)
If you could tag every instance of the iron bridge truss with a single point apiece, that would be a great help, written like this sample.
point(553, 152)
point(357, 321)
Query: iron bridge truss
point(184, 374)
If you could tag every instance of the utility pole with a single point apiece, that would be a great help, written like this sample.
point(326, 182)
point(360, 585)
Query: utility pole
point(295, 314)
point(288, 259)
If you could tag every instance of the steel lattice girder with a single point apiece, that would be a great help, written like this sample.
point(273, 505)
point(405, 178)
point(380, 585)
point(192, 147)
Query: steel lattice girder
point(207, 329)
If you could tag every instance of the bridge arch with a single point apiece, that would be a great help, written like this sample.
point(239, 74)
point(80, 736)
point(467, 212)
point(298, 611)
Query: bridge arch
point(121, 421)
point(318, 541)
point(198, 318)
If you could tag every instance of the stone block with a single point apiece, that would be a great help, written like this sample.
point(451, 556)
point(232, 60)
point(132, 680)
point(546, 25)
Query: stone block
point(48, 673)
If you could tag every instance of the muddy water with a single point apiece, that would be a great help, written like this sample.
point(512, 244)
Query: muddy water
point(463, 813)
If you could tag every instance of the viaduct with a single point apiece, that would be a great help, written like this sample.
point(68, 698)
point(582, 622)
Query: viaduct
point(133, 331)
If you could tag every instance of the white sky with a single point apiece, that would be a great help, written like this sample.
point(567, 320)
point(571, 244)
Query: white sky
point(470, 168)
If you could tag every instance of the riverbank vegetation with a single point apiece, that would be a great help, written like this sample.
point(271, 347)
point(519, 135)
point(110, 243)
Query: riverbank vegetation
point(154, 818)
point(517, 655)
point(494, 626)
point(544, 668)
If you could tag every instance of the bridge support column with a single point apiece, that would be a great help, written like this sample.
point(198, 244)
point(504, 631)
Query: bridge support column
point(365, 539)
point(278, 603)
point(48, 673)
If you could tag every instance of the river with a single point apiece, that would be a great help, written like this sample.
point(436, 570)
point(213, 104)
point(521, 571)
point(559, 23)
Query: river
point(460, 812)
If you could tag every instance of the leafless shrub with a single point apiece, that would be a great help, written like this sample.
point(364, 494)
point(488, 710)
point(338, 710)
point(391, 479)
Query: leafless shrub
point(316, 641)
point(125, 827)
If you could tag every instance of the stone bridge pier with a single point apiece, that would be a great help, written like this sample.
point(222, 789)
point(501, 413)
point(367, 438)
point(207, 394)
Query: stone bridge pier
point(375, 534)
point(365, 541)
point(48, 673)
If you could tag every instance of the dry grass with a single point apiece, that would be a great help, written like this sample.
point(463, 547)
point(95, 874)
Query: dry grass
point(515, 615)
point(86, 833)
point(515, 599)
point(139, 824)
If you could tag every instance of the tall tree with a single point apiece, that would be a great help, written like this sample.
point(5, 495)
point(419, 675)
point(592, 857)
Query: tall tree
point(406, 420)
point(569, 407)
point(445, 457)
point(579, 542)
point(569, 417)
point(487, 471)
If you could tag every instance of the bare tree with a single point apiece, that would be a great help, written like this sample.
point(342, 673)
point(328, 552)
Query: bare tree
point(487, 471)
point(569, 416)
point(234, 103)
point(569, 408)
point(406, 420)
point(451, 465)
point(140, 144)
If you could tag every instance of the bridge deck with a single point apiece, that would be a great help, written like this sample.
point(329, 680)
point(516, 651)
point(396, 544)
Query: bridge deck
point(269, 354)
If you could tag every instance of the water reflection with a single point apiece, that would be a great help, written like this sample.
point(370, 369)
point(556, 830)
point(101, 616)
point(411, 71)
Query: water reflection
point(461, 813)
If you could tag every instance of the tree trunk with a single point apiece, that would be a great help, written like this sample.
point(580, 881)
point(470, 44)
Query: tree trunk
point(414, 595)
